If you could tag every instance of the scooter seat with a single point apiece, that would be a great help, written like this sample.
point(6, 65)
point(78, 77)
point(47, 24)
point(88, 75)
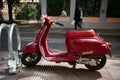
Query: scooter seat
point(82, 33)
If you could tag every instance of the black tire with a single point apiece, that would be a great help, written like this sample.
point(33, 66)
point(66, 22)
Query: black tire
point(101, 61)
point(30, 59)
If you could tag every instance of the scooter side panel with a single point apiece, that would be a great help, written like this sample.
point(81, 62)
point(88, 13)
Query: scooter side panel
point(87, 46)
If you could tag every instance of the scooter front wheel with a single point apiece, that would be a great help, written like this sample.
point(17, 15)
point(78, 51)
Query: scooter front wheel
point(30, 59)
point(100, 62)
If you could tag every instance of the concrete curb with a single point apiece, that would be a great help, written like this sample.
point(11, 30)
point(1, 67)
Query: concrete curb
point(101, 32)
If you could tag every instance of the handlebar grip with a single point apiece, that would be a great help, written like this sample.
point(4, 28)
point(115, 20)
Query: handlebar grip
point(59, 24)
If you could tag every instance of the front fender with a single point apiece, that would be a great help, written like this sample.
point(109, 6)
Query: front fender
point(30, 48)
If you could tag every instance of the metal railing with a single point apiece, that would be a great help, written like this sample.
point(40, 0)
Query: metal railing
point(13, 56)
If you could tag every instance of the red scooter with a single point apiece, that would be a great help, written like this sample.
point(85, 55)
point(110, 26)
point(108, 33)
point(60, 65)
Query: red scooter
point(82, 46)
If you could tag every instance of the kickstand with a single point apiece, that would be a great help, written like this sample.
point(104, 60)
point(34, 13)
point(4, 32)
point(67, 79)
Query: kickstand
point(74, 65)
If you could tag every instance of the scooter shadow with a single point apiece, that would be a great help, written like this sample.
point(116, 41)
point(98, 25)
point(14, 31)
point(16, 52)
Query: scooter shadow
point(55, 72)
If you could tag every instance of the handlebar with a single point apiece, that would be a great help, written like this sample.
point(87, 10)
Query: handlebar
point(46, 18)
point(58, 23)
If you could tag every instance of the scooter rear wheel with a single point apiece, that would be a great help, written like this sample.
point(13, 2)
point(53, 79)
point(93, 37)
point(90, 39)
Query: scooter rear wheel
point(30, 59)
point(100, 63)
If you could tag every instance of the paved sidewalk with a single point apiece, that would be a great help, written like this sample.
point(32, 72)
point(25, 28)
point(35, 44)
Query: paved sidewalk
point(113, 68)
point(63, 71)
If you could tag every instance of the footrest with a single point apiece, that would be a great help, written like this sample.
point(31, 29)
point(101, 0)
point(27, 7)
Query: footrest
point(61, 59)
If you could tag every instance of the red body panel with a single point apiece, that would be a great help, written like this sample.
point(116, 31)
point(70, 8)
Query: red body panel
point(87, 44)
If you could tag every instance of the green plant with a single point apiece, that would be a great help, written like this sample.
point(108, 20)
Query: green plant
point(27, 12)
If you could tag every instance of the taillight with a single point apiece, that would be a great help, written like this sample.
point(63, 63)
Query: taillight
point(107, 45)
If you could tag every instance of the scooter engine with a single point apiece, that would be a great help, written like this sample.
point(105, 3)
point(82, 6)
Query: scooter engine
point(88, 61)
